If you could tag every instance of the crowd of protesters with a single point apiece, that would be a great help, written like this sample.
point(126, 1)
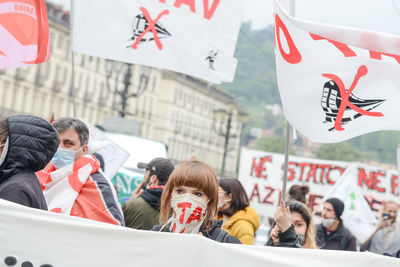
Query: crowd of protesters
point(37, 159)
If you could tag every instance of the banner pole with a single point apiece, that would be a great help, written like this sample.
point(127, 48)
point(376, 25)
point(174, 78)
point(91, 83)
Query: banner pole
point(73, 85)
point(73, 92)
point(288, 129)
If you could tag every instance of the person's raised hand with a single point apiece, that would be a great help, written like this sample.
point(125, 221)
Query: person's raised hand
point(383, 223)
point(275, 235)
point(282, 217)
point(138, 191)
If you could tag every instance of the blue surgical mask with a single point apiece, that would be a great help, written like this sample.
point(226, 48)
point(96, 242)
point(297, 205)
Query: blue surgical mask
point(63, 157)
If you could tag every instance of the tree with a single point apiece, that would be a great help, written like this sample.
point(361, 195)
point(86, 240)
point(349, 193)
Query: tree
point(272, 144)
point(339, 151)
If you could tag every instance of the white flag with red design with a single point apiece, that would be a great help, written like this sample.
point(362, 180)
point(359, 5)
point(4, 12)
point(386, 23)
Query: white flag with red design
point(197, 38)
point(336, 83)
point(62, 186)
point(24, 33)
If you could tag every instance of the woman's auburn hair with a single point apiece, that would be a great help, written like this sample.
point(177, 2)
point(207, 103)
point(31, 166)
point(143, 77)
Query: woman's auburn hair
point(302, 209)
point(195, 174)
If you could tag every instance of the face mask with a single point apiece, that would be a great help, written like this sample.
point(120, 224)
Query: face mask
point(189, 213)
point(328, 222)
point(221, 204)
point(302, 238)
point(63, 157)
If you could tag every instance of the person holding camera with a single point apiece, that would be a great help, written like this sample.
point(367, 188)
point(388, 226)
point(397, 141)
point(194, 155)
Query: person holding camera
point(386, 237)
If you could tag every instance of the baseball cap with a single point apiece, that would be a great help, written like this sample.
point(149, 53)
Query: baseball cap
point(161, 167)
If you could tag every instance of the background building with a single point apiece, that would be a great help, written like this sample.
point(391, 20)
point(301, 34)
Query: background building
point(189, 115)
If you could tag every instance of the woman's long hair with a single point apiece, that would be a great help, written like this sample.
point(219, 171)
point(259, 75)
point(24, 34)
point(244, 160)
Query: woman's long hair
point(296, 206)
point(239, 197)
point(195, 174)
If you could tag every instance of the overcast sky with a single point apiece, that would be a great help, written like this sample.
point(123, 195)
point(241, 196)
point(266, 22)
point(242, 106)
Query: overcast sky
point(378, 15)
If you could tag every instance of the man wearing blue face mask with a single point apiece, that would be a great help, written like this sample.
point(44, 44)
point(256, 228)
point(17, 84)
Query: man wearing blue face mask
point(72, 169)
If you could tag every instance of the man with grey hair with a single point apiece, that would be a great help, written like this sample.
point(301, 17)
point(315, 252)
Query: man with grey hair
point(386, 237)
point(72, 169)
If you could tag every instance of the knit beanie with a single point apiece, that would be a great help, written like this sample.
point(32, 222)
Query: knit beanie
point(338, 206)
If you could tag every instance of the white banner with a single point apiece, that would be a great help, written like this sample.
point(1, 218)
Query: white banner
point(357, 215)
point(113, 155)
point(31, 237)
point(336, 82)
point(197, 38)
point(261, 174)
point(398, 160)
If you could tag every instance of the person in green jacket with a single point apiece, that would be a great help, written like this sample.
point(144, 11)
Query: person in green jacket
point(142, 211)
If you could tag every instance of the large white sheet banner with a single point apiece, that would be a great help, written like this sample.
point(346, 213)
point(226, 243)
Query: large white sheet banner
point(48, 239)
point(336, 82)
point(193, 37)
point(261, 174)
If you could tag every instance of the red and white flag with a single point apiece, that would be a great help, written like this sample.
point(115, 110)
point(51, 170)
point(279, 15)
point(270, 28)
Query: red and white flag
point(197, 38)
point(24, 33)
point(335, 82)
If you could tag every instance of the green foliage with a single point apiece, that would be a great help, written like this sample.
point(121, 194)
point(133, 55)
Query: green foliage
point(379, 146)
point(271, 144)
point(255, 81)
point(339, 151)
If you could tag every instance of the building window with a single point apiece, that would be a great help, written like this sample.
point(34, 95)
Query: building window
point(60, 43)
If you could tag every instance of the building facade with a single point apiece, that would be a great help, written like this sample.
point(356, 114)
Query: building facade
point(176, 109)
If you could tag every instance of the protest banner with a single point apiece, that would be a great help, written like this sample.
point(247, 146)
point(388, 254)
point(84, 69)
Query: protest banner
point(197, 38)
point(398, 159)
point(328, 78)
point(24, 33)
point(126, 182)
point(261, 174)
point(32, 237)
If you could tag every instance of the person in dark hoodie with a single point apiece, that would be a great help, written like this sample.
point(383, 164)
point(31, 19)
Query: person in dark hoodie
point(331, 233)
point(27, 144)
point(189, 203)
point(142, 211)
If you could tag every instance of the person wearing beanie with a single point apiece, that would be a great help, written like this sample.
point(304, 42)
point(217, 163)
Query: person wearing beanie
point(331, 233)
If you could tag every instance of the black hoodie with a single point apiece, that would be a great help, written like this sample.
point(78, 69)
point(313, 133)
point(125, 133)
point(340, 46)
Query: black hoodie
point(32, 144)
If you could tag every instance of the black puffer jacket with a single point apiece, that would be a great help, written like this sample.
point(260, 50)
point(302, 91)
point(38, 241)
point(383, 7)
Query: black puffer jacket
point(215, 233)
point(32, 142)
point(289, 239)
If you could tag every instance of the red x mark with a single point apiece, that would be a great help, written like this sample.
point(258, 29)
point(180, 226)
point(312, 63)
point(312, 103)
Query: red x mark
point(151, 27)
point(362, 71)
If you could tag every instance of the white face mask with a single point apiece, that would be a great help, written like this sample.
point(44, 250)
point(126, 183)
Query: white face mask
point(222, 203)
point(189, 213)
point(328, 222)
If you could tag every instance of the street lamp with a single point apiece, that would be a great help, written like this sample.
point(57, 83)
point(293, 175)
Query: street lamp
point(116, 67)
point(226, 117)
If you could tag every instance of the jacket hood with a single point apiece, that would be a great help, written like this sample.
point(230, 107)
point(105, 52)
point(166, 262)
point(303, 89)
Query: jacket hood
point(248, 214)
point(32, 144)
point(153, 196)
